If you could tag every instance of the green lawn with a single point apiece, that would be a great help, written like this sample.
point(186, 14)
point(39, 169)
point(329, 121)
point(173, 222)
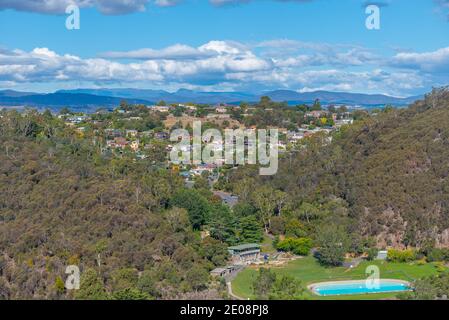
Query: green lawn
point(308, 270)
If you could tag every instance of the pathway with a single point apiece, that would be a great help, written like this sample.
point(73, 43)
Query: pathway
point(231, 294)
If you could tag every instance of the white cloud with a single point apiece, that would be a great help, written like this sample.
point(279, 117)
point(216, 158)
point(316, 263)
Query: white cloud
point(233, 65)
point(115, 7)
point(433, 62)
point(233, 2)
point(42, 6)
point(443, 6)
point(175, 52)
point(373, 81)
point(167, 3)
point(118, 7)
point(167, 64)
point(344, 59)
point(108, 7)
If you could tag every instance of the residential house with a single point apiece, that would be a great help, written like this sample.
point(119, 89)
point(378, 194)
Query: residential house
point(225, 271)
point(227, 198)
point(339, 123)
point(191, 108)
point(131, 133)
point(218, 116)
point(77, 119)
point(316, 114)
point(113, 133)
point(203, 168)
point(293, 136)
point(117, 143)
point(221, 109)
point(161, 135)
point(160, 108)
point(382, 255)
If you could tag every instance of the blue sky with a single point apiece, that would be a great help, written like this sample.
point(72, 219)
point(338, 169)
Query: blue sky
point(300, 45)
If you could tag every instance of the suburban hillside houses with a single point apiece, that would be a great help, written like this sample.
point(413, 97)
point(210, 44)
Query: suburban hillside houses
point(145, 130)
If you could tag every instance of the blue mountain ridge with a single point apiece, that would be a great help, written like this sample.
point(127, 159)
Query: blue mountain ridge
point(91, 99)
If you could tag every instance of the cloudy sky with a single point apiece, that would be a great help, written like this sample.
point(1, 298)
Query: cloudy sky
point(225, 45)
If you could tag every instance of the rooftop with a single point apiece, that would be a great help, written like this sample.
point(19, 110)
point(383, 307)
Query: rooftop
point(245, 247)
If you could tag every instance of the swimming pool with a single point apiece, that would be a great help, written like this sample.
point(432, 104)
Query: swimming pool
point(358, 287)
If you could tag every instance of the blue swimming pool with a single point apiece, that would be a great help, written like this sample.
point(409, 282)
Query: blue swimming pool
point(358, 287)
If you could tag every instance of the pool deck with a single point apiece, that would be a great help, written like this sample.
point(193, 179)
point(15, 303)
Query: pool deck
point(312, 286)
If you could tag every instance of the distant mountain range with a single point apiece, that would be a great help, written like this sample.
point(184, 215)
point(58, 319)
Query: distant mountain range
point(292, 97)
point(90, 99)
point(57, 100)
point(328, 97)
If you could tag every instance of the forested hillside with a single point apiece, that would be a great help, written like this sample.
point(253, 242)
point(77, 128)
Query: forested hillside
point(384, 178)
point(61, 204)
point(134, 229)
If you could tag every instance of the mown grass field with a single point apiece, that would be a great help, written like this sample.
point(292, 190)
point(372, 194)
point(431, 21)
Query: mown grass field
point(309, 271)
